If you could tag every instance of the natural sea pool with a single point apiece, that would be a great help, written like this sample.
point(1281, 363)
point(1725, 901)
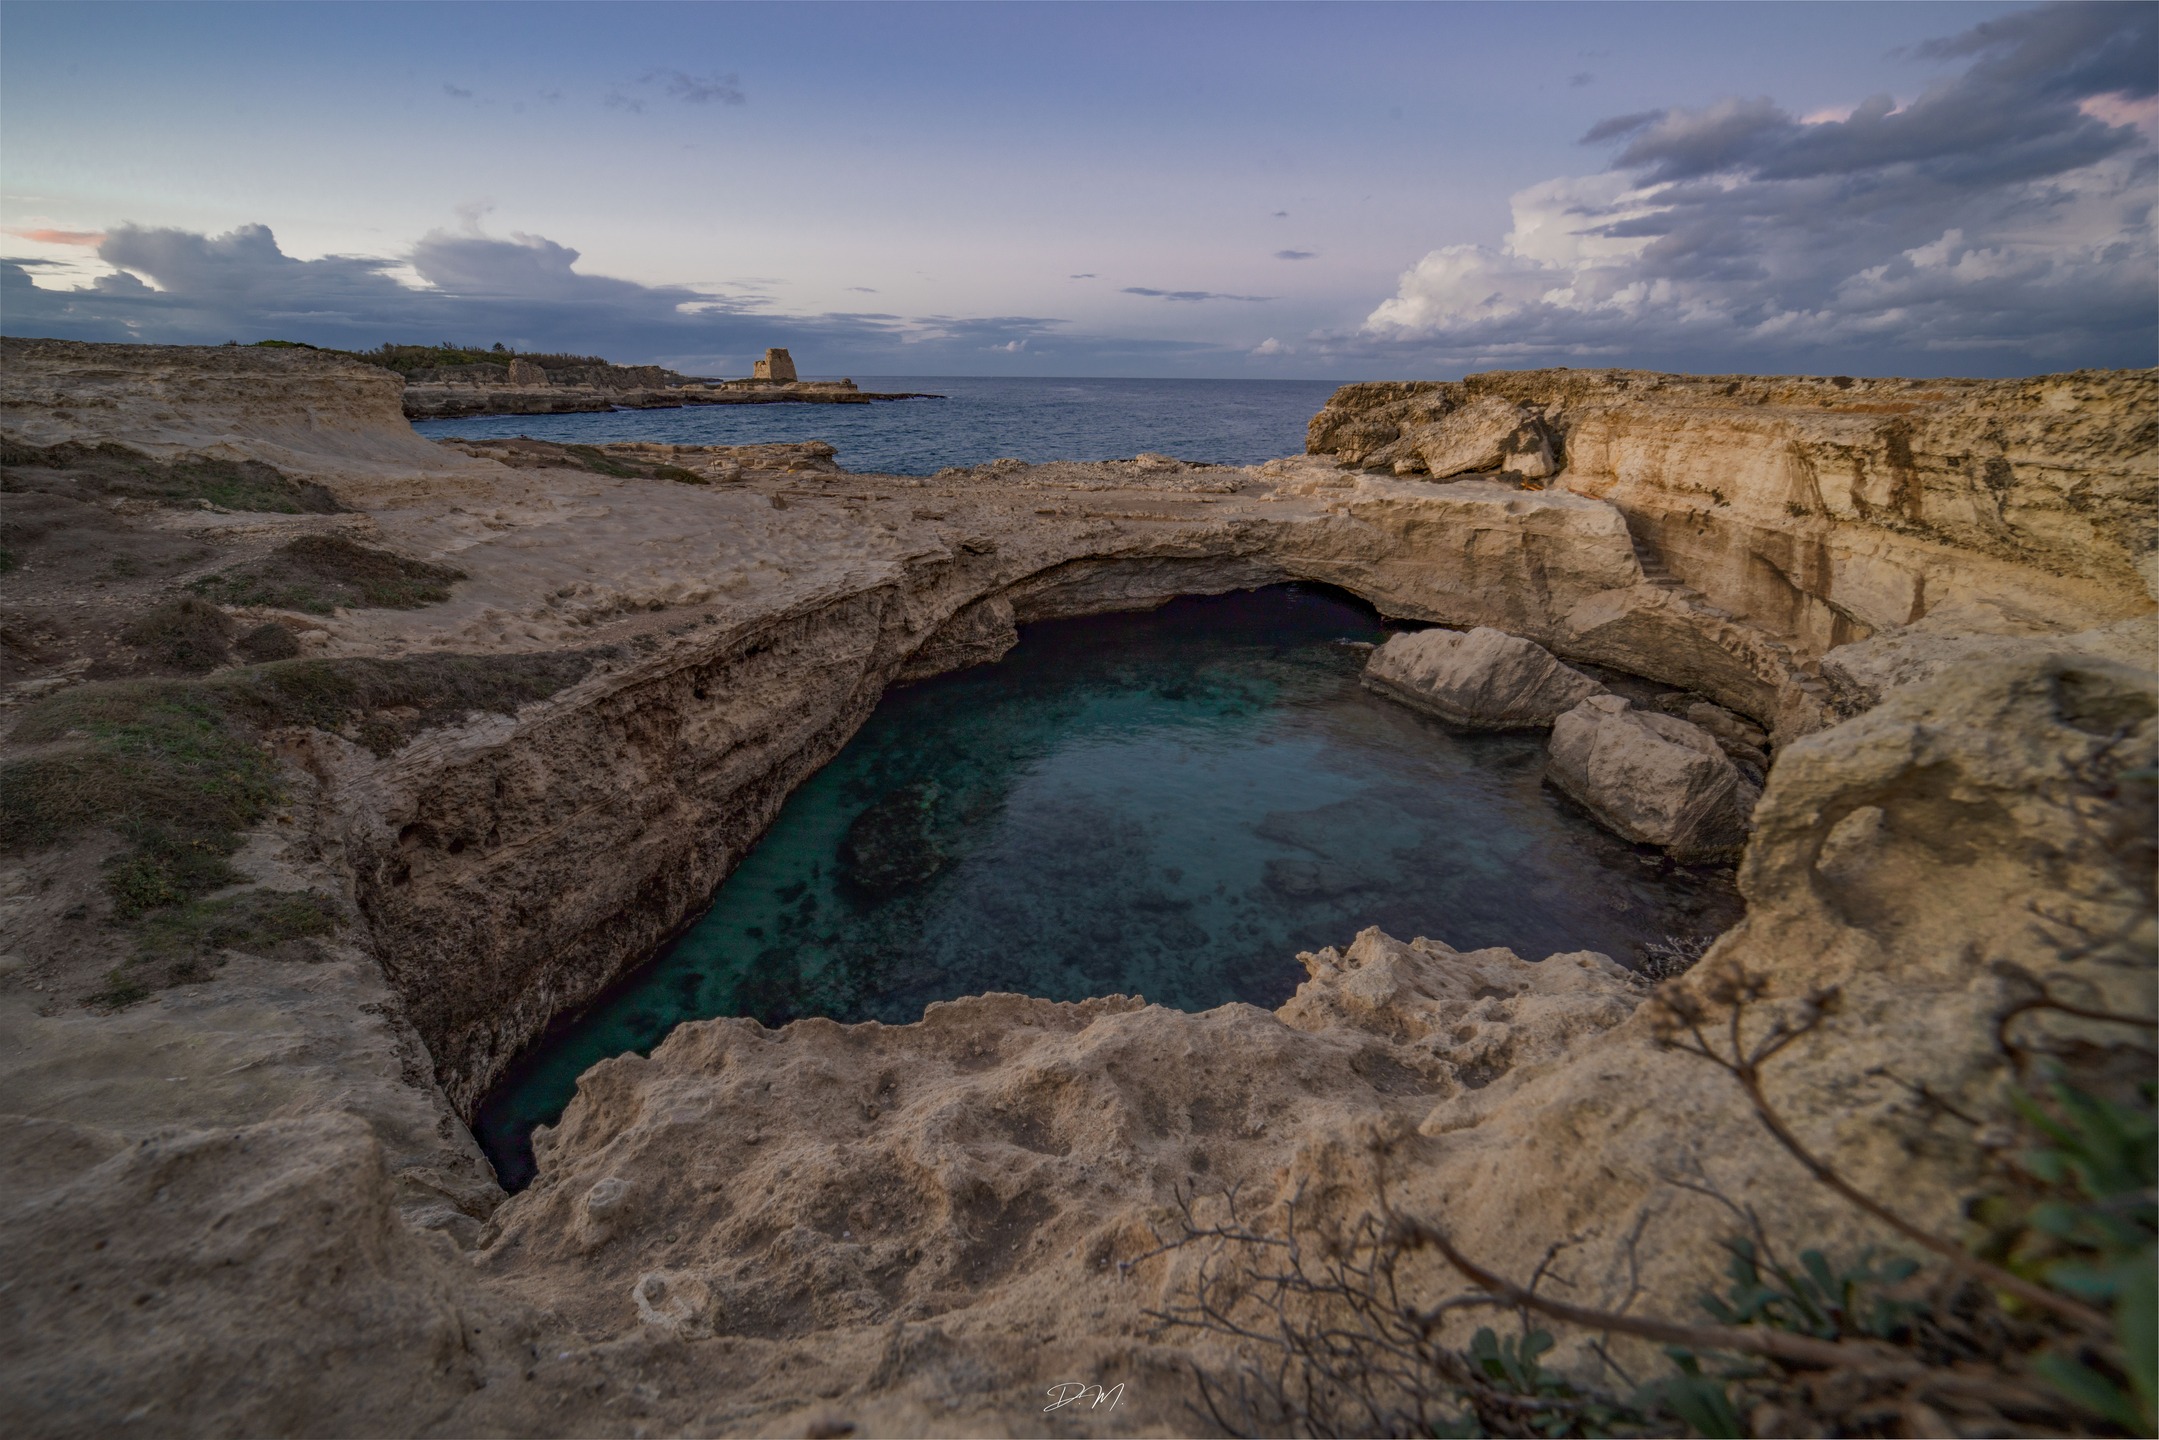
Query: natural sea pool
point(1170, 804)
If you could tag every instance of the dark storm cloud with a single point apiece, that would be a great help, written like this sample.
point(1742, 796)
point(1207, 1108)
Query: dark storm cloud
point(2003, 217)
point(524, 291)
point(2013, 115)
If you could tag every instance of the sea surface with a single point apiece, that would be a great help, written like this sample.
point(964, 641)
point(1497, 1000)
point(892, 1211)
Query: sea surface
point(1223, 422)
point(1169, 804)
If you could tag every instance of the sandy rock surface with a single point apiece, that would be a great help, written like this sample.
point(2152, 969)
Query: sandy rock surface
point(1482, 679)
point(247, 1200)
point(1488, 433)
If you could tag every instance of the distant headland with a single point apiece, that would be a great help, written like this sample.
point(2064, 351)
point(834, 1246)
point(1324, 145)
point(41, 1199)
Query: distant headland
point(451, 381)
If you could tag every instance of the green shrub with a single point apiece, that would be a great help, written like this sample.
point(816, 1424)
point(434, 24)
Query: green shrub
point(321, 573)
point(187, 634)
point(266, 642)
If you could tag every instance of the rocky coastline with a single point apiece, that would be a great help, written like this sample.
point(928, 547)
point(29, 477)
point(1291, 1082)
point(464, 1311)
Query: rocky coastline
point(520, 387)
point(239, 1193)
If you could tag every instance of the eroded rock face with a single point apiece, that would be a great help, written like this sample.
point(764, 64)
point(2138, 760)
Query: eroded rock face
point(1652, 778)
point(1826, 510)
point(1484, 679)
point(914, 1229)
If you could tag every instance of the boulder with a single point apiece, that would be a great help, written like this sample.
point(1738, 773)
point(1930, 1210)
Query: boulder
point(1489, 433)
point(1652, 778)
point(1482, 679)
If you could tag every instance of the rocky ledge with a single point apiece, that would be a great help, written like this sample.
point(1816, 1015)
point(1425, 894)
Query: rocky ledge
point(540, 699)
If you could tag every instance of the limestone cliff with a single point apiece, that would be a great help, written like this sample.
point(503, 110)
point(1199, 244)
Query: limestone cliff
point(1826, 510)
point(248, 1202)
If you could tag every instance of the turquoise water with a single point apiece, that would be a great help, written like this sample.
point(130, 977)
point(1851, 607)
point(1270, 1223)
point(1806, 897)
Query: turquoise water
point(1224, 422)
point(1169, 804)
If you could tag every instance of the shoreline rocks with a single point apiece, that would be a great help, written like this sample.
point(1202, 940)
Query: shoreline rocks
point(1481, 679)
point(1654, 779)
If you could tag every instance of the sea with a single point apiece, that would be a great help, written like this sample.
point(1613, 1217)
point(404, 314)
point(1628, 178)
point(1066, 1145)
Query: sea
point(1221, 422)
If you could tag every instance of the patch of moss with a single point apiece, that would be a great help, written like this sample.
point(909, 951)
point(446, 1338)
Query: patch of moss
point(676, 472)
point(321, 573)
point(180, 946)
point(187, 634)
point(258, 921)
point(109, 469)
point(599, 462)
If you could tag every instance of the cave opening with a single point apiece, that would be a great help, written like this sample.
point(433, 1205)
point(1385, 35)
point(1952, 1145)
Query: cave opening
point(1169, 803)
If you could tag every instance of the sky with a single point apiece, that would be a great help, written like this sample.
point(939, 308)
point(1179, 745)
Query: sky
point(1330, 191)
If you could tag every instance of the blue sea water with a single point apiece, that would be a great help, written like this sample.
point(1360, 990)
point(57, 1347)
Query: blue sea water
point(1224, 422)
point(1170, 804)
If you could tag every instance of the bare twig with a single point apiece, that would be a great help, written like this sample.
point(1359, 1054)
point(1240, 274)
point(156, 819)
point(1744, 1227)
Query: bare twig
point(1683, 1023)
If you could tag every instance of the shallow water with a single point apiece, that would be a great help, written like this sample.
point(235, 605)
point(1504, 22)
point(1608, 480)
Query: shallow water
point(1169, 804)
point(1223, 422)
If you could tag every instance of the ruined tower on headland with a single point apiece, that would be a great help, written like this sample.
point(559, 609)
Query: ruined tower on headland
point(777, 365)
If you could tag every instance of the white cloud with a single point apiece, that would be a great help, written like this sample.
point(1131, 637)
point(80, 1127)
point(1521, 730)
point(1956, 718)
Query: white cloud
point(2001, 211)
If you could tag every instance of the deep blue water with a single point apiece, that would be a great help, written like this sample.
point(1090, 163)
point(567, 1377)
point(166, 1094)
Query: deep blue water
point(1225, 422)
point(1170, 804)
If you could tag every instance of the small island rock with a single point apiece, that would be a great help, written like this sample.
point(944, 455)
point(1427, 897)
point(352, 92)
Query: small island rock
point(1652, 778)
point(1482, 679)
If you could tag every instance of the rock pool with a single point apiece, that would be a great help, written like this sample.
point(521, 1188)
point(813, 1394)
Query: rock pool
point(1170, 804)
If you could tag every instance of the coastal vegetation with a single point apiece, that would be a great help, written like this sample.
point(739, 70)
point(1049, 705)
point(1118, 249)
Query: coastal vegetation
point(320, 573)
point(405, 359)
point(119, 473)
point(180, 769)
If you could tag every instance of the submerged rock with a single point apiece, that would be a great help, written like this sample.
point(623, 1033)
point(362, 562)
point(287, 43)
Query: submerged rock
point(889, 848)
point(1483, 679)
point(1652, 778)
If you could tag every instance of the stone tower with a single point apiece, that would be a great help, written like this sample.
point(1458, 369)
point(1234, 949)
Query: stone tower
point(777, 365)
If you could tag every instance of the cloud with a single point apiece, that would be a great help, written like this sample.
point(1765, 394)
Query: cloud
point(698, 90)
point(456, 92)
point(180, 287)
point(2002, 219)
point(1090, 275)
point(61, 237)
point(1280, 215)
point(1295, 254)
point(714, 89)
point(862, 289)
point(1580, 78)
point(1191, 295)
point(1272, 346)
